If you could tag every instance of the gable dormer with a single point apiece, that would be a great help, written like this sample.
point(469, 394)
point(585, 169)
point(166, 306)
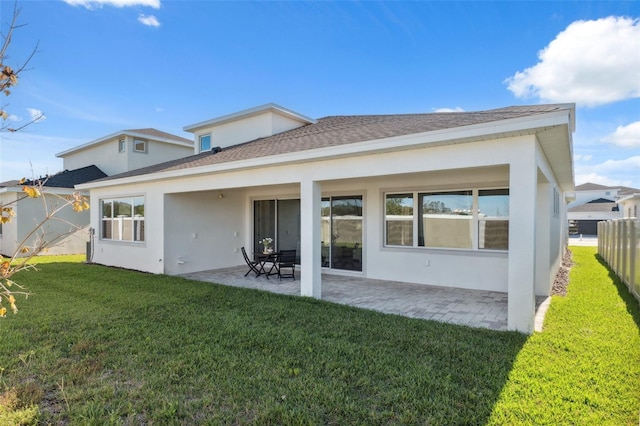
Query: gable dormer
point(244, 126)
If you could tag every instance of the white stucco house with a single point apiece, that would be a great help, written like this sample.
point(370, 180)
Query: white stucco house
point(467, 199)
point(116, 153)
point(594, 203)
point(629, 205)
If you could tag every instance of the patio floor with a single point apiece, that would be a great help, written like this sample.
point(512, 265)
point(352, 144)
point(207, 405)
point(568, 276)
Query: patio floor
point(475, 308)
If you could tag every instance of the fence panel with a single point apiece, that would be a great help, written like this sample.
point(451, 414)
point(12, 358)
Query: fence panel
point(619, 246)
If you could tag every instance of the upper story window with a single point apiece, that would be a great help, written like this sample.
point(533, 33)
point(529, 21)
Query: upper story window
point(139, 145)
point(205, 143)
point(122, 145)
point(122, 219)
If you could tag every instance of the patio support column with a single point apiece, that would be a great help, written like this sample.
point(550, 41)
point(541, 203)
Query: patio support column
point(523, 182)
point(310, 245)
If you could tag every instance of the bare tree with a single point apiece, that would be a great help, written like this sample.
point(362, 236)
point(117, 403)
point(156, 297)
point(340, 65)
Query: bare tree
point(39, 239)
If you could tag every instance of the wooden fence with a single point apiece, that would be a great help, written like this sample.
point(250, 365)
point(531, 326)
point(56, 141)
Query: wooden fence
point(619, 246)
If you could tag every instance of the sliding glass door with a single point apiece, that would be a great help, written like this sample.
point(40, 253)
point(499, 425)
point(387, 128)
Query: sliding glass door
point(278, 220)
point(342, 233)
point(341, 229)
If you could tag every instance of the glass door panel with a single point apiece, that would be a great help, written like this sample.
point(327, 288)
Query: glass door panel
point(288, 234)
point(346, 233)
point(264, 223)
point(325, 232)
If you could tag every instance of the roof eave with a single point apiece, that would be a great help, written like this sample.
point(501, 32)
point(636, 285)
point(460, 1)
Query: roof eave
point(482, 131)
point(249, 113)
point(123, 133)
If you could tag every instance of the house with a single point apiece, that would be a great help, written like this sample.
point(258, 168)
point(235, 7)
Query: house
point(465, 199)
point(31, 211)
point(127, 150)
point(594, 203)
point(112, 154)
point(629, 205)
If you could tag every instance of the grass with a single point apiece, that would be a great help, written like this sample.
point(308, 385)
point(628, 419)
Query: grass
point(96, 345)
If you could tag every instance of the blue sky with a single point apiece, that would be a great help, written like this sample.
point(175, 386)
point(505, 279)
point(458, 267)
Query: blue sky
point(109, 65)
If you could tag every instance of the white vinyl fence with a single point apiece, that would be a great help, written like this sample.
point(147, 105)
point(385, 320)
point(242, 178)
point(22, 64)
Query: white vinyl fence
point(619, 246)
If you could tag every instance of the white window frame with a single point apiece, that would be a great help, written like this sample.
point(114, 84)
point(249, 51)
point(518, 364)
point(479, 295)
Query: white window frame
point(200, 142)
point(135, 145)
point(137, 221)
point(122, 145)
point(476, 219)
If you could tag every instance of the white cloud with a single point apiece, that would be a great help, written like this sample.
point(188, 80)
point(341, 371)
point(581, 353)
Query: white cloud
point(624, 172)
point(582, 157)
point(150, 20)
point(600, 180)
point(36, 115)
point(629, 164)
point(456, 109)
point(590, 62)
point(625, 136)
point(93, 4)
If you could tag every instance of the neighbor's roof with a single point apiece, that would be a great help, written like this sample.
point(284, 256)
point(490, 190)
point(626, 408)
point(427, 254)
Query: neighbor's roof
point(342, 130)
point(70, 178)
point(622, 190)
point(147, 133)
point(594, 206)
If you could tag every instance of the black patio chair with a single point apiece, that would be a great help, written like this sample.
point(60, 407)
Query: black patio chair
point(253, 265)
point(287, 260)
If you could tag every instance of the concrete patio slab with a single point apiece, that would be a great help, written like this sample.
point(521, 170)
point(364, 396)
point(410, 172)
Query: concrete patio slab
point(474, 308)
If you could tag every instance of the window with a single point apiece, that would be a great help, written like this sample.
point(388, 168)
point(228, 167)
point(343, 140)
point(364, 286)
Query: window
point(556, 203)
point(205, 143)
point(445, 219)
point(139, 145)
point(493, 219)
point(122, 219)
point(399, 219)
point(467, 219)
point(122, 145)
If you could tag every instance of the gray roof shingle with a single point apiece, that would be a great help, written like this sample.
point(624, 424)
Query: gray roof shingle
point(70, 178)
point(341, 130)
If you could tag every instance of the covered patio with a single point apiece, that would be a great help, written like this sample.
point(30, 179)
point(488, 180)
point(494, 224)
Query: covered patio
point(474, 308)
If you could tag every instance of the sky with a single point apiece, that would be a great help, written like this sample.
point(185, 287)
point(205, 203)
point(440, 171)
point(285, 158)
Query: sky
point(102, 66)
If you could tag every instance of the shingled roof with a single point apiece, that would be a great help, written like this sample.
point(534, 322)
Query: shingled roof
point(70, 178)
point(342, 130)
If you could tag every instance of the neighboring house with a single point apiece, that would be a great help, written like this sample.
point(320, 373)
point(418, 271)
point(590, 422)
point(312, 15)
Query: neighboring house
point(629, 205)
point(127, 150)
point(116, 153)
point(31, 211)
point(594, 203)
point(470, 199)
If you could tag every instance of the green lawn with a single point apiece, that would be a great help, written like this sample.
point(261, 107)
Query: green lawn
point(96, 345)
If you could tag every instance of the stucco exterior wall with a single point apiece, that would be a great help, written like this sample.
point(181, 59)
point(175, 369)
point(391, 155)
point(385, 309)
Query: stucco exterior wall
point(31, 212)
point(9, 237)
point(261, 125)
point(107, 158)
point(483, 164)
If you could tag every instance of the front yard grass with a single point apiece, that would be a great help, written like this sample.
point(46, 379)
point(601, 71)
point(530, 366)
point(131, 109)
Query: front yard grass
point(97, 345)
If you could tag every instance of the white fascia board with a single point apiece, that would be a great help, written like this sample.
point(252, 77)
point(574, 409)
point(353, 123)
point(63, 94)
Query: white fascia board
point(118, 134)
point(483, 131)
point(628, 197)
point(248, 113)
